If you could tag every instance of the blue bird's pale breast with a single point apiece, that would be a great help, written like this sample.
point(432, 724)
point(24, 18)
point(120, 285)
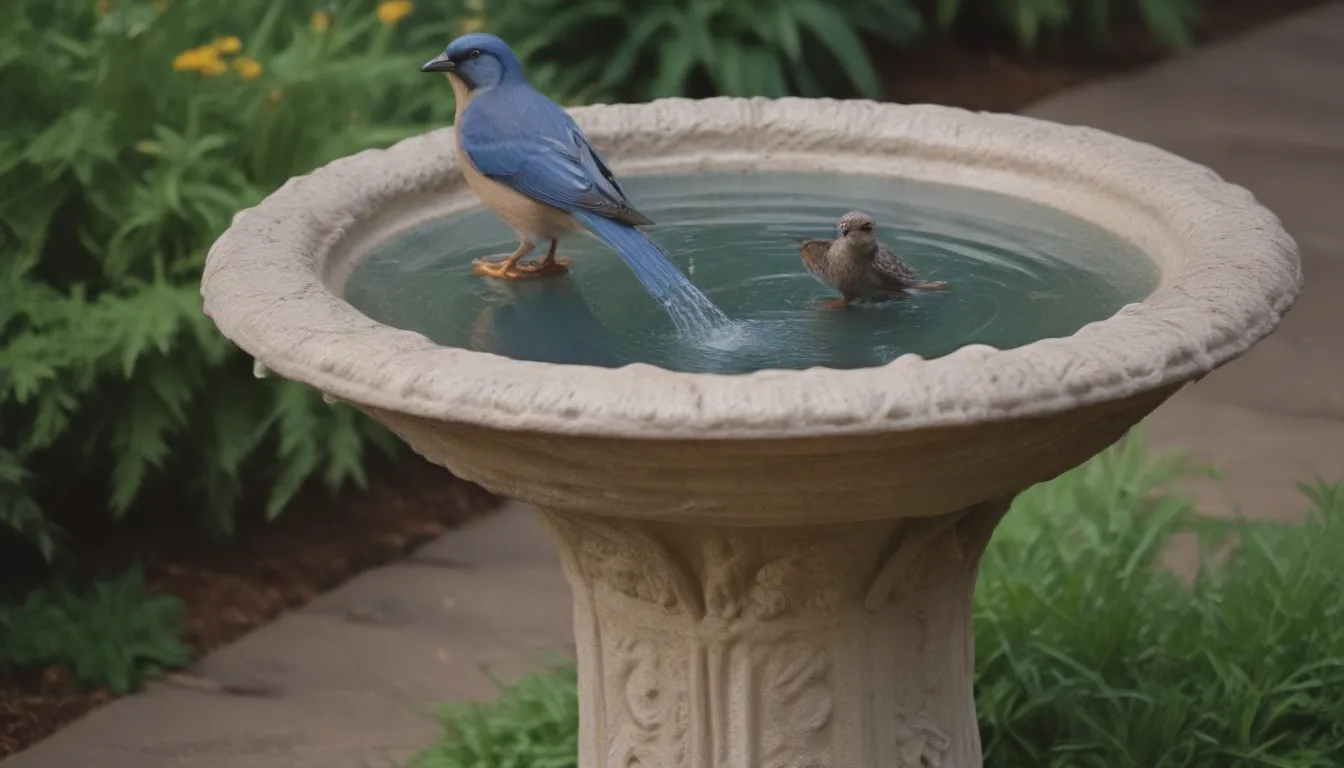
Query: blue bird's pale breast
point(528, 217)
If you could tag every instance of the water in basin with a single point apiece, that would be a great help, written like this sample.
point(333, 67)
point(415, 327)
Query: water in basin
point(1017, 272)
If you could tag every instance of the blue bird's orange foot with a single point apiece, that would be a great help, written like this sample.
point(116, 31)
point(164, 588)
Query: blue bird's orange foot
point(513, 268)
point(502, 270)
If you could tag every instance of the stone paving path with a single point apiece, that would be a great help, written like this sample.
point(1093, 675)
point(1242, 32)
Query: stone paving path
point(355, 667)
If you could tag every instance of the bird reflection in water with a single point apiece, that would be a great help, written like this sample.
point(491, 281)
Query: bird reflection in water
point(545, 321)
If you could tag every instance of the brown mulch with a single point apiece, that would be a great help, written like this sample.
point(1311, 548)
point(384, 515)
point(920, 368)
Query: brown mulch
point(231, 589)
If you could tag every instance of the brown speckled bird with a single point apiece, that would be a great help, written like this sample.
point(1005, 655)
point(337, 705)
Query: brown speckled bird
point(860, 267)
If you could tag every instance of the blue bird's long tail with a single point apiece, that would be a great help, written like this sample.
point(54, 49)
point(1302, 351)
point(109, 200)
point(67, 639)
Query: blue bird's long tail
point(692, 312)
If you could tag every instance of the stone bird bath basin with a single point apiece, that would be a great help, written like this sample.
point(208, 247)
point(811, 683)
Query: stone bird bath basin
point(771, 569)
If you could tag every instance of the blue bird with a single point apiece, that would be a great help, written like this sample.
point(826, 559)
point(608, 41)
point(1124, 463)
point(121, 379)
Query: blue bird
point(529, 163)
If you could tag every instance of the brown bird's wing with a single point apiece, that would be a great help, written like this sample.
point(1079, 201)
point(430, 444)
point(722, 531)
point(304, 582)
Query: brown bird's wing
point(892, 270)
point(814, 253)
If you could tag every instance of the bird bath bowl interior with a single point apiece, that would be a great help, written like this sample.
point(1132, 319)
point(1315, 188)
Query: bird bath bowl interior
point(776, 567)
point(1021, 272)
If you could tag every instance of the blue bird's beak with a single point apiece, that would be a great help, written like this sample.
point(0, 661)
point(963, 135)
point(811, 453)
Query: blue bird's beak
point(440, 63)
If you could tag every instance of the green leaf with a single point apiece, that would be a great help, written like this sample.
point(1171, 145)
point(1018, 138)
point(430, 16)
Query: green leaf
point(895, 21)
point(140, 433)
point(764, 73)
point(299, 430)
point(1027, 23)
point(20, 512)
point(835, 33)
point(75, 142)
point(1171, 21)
point(618, 67)
point(571, 18)
point(947, 12)
point(345, 448)
point(807, 83)
point(675, 62)
point(727, 70)
point(788, 36)
point(114, 636)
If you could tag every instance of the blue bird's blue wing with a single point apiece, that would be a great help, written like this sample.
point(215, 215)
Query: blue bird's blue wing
point(525, 141)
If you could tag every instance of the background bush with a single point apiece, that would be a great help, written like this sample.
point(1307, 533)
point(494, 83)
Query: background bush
point(134, 129)
point(656, 48)
point(1089, 654)
point(1027, 21)
point(113, 636)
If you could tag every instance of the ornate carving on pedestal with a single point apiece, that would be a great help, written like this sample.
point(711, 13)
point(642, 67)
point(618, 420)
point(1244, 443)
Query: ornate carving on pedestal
point(651, 728)
point(642, 579)
point(712, 648)
point(726, 566)
point(797, 700)
point(798, 577)
point(735, 581)
point(804, 579)
point(634, 564)
point(919, 743)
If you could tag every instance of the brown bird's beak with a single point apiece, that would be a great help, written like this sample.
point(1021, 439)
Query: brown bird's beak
point(440, 63)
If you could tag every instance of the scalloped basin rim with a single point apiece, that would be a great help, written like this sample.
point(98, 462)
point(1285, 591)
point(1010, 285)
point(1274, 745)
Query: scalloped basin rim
point(1229, 272)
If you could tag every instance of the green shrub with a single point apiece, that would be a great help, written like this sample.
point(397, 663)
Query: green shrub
point(535, 724)
point(1089, 653)
point(115, 637)
point(774, 48)
point(664, 48)
point(1170, 21)
point(133, 131)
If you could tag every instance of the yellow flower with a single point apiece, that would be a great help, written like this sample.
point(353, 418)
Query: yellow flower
point(230, 44)
point(320, 22)
point(470, 24)
point(250, 69)
point(204, 59)
point(392, 11)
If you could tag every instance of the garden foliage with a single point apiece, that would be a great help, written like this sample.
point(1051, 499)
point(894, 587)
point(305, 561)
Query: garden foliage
point(1027, 21)
point(134, 129)
point(113, 636)
point(658, 48)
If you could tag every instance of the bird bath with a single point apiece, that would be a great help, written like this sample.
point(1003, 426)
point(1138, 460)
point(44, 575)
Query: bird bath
point(773, 568)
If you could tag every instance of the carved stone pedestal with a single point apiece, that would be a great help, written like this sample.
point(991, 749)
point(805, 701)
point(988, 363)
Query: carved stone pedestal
point(841, 646)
